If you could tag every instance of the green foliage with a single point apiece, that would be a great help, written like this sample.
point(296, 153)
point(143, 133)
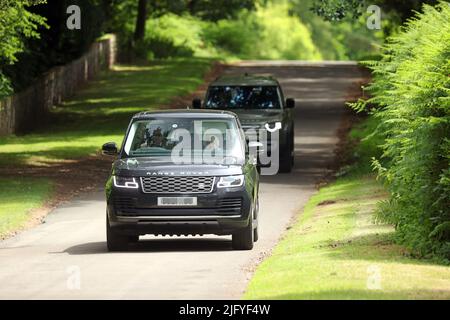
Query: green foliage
point(55, 44)
point(411, 87)
point(339, 10)
point(269, 32)
point(348, 39)
point(17, 23)
point(175, 36)
point(5, 85)
point(336, 10)
point(215, 10)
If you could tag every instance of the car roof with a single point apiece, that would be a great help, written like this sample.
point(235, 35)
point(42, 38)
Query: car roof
point(245, 80)
point(186, 113)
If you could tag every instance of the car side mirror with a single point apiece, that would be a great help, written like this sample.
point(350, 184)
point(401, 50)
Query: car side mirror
point(110, 149)
point(196, 104)
point(290, 103)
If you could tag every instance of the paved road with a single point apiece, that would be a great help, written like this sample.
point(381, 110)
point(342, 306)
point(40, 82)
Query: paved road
point(46, 262)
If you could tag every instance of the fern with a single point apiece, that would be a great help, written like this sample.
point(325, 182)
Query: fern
point(411, 90)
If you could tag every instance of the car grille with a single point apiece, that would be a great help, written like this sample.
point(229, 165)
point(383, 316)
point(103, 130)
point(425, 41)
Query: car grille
point(177, 184)
point(125, 206)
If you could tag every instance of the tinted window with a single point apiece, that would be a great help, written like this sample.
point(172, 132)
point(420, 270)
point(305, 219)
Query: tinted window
point(243, 97)
point(168, 137)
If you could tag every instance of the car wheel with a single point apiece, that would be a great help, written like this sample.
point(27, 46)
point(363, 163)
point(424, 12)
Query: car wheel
point(285, 162)
point(243, 239)
point(287, 158)
point(255, 234)
point(114, 240)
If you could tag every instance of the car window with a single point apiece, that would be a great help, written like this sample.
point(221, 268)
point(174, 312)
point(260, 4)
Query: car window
point(195, 138)
point(243, 97)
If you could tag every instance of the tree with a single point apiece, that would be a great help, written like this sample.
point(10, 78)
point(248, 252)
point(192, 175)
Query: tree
point(337, 10)
point(204, 9)
point(139, 32)
point(16, 24)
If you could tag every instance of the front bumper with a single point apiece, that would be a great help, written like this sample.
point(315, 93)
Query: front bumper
point(223, 211)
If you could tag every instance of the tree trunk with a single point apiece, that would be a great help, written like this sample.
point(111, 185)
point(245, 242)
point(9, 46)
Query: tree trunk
point(191, 6)
point(139, 31)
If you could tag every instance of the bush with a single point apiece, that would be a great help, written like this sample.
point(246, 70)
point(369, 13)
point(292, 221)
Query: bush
point(267, 33)
point(411, 89)
point(235, 37)
point(5, 86)
point(339, 40)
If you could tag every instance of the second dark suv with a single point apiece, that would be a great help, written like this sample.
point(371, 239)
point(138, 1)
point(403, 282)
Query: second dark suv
point(260, 105)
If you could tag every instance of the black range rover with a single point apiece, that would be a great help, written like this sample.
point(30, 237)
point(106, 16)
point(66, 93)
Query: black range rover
point(261, 107)
point(182, 172)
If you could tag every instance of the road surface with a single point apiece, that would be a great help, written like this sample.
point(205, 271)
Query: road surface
point(66, 257)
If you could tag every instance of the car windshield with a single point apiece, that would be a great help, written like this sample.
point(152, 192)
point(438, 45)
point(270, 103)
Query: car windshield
point(243, 97)
point(184, 140)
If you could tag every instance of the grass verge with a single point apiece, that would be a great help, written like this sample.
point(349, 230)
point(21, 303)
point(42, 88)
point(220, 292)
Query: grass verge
point(17, 198)
point(336, 251)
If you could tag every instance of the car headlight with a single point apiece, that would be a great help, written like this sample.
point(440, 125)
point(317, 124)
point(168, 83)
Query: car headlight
point(273, 126)
point(231, 181)
point(125, 182)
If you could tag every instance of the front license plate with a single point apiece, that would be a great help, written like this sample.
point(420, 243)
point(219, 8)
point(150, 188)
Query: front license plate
point(177, 201)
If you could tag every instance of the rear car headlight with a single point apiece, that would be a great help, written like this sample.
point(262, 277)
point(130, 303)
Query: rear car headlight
point(231, 181)
point(273, 126)
point(125, 182)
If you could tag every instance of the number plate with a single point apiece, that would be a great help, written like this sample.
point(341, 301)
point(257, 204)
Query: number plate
point(177, 201)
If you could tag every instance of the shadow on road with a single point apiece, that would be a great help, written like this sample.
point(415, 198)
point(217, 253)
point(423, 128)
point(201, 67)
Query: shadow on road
point(156, 245)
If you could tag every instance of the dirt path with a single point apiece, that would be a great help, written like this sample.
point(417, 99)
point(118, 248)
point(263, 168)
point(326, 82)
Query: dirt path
point(42, 262)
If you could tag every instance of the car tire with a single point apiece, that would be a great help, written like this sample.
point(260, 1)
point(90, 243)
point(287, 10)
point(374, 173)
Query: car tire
point(285, 163)
point(114, 240)
point(287, 158)
point(243, 239)
point(255, 234)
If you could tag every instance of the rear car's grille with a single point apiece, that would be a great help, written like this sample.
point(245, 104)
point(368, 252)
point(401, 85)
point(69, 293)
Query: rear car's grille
point(177, 184)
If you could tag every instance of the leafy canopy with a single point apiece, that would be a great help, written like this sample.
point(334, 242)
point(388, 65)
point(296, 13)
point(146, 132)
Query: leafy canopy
point(17, 24)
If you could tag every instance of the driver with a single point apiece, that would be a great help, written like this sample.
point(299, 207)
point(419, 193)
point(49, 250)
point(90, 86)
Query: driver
point(213, 144)
point(156, 139)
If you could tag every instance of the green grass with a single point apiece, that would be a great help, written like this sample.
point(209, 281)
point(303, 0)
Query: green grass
point(101, 112)
point(17, 197)
point(336, 251)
